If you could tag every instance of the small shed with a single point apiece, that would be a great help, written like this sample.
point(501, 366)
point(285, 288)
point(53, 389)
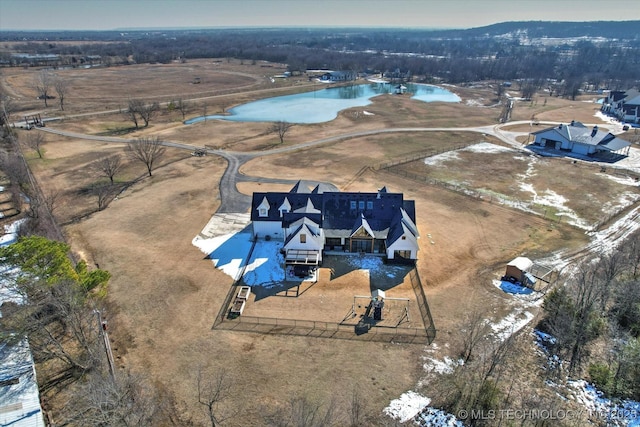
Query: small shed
point(520, 270)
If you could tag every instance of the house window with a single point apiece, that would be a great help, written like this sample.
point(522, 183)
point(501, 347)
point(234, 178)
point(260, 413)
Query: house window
point(361, 205)
point(353, 204)
point(370, 205)
point(402, 254)
point(262, 212)
point(303, 238)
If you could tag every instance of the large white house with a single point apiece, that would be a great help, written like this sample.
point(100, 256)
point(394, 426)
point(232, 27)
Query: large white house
point(312, 222)
point(579, 139)
point(625, 105)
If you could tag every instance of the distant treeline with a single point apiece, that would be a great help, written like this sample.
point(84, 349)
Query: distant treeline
point(597, 54)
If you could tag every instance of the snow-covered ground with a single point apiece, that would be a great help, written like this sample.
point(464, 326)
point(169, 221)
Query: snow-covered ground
point(597, 408)
point(625, 413)
point(265, 268)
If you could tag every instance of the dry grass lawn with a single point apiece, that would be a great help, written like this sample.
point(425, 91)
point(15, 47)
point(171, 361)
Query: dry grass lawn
point(592, 194)
point(164, 295)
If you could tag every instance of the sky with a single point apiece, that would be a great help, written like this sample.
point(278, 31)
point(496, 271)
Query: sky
point(119, 14)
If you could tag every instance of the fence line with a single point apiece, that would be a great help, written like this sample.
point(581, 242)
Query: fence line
point(232, 290)
point(321, 329)
point(423, 306)
point(423, 154)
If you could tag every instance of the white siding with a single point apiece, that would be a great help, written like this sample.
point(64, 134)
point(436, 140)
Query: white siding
point(268, 228)
point(403, 245)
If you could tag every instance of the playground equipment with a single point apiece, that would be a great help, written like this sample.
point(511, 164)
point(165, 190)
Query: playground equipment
point(374, 310)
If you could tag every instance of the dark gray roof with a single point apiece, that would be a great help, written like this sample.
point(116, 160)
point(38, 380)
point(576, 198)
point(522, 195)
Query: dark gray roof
point(322, 188)
point(339, 211)
point(300, 187)
point(579, 133)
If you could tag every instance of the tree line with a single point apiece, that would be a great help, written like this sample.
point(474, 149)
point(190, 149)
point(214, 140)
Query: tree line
point(450, 56)
point(591, 321)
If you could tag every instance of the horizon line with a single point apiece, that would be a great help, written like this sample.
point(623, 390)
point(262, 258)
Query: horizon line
point(256, 27)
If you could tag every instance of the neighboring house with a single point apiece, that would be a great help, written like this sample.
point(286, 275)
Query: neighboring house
point(579, 139)
point(311, 222)
point(19, 396)
point(338, 76)
point(624, 105)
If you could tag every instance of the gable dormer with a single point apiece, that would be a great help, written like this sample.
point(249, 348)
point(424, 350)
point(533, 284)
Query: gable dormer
point(285, 207)
point(308, 208)
point(263, 208)
point(361, 228)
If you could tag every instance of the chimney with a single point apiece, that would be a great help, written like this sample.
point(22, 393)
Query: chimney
point(594, 131)
point(573, 122)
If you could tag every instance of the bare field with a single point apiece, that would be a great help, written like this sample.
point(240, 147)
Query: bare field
point(548, 185)
point(164, 294)
point(339, 162)
point(555, 109)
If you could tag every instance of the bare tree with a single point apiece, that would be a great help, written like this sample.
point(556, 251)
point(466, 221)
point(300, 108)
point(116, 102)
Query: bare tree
point(148, 150)
point(59, 326)
point(104, 194)
point(182, 106)
point(302, 412)
point(500, 90)
point(62, 87)
point(109, 166)
point(7, 107)
point(132, 110)
point(507, 107)
point(34, 141)
point(473, 331)
point(51, 200)
point(130, 401)
point(42, 83)
point(148, 111)
point(281, 128)
point(138, 108)
point(212, 392)
point(573, 314)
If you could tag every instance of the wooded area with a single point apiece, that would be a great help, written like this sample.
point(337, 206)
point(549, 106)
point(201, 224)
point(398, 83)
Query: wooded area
point(601, 54)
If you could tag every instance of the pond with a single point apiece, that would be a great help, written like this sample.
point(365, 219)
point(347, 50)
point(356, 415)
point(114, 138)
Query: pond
point(323, 105)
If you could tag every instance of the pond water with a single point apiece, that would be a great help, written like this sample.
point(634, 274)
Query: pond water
point(323, 105)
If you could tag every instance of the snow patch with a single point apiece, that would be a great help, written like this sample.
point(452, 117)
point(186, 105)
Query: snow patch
point(445, 366)
point(407, 406)
point(625, 413)
point(488, 148)
point(432, 417)
point(511, 324)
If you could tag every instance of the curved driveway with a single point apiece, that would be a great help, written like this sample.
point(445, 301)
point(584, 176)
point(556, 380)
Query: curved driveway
point(231, 200)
